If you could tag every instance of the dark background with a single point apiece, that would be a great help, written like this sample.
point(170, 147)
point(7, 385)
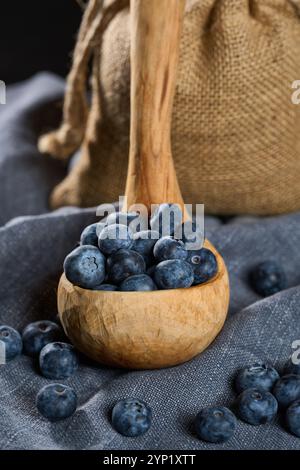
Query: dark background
point(37, 35)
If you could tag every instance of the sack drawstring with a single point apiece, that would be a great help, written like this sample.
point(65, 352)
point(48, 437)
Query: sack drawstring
point(68, 138)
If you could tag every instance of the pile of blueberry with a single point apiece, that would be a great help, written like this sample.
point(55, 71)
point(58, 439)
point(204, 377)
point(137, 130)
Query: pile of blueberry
point(262, 392)
point(58, 361)
point(117, 255)
point(45, 341)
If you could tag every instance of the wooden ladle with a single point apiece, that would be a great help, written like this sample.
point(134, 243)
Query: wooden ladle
point(145, 330)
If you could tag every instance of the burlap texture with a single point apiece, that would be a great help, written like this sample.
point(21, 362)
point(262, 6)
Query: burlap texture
point(235, 130)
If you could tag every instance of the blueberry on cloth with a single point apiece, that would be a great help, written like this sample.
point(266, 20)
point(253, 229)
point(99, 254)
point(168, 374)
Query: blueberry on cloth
point(292, 368)
point(58, 361)
point(85, 267)
point(255, 406)
point(293, 418)
point(123, 264)
point(114, 237)
point(11, 342)
point(36, 335)
point(173, 274)
point(165, 219)
point(139, 282)
point(106, 287)
point(144, 241)
point(90, 234)
point(131, 417)
point(169, 248)
point(204, 264)
point(56, 401)
point(287, 389)
point(267, 278)
point(215, 424)
point(258, 375)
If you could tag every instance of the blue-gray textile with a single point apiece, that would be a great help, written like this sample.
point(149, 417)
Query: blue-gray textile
point(33, 244)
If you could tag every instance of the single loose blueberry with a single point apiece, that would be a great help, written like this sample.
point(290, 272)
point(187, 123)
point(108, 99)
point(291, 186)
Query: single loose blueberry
point(144, 241)
point(56, 401)
point(267, 278)
point(258, 375)
point(173, 274)
point(36, 335)
point(114, 237)
point(293, 418)
point(255, 406)
point(287, 390)
point(291, 368)
point(204, 264)
point(123, 264)
point(106, 287)
point(139, 282)
point(58, 360)
point(169, 248)
point(90, 234)
point(215, 424)
point(85, 267)
point(165, 219)
point(11, 341)
point(131, 417)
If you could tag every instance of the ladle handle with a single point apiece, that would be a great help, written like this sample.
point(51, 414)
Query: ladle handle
point(156, 27)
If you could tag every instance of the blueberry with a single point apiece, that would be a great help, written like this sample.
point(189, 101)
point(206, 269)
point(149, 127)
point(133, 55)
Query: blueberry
point(114, 237)
point(287, 389)
point(150, 271)
point(259, 375)
point(149, 260)
point(255, 406)
point(91, 234)
point(131, 417)
point(166, 218)
point(12, 341)
point(85, 267)
point(56, 401)
point(204, 264)
point(106, 287)
point(173, 274)
point(124, 263)
point(144, 241)
point(293, 418)
point(139, 282)
point(36, 335)
point(215, 424)
point(267, 278)
point(169, 248)
point(291, 368)
point(58, 360)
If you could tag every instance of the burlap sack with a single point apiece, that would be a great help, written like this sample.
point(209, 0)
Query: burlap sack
point(235, 131)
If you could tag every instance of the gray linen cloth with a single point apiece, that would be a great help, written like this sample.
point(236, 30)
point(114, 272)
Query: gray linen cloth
point(33, 244)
